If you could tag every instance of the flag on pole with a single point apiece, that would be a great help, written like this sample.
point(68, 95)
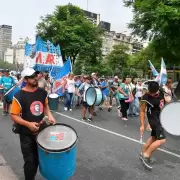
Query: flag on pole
point(154, 72)
point(163, 73)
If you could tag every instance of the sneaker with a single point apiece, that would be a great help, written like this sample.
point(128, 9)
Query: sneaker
point(4, 114)
point(109, 109)
point(151, 159)
point(146, 162)
point(65, 108)
point(90, 120)
point(70, 109)
point(94, 114)
point(124, 119)
point(100, 108)
point(84, 119)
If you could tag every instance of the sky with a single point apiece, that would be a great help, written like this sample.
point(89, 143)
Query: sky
point(23, 15)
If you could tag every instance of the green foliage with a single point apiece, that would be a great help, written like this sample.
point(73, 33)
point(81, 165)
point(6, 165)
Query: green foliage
point(77, 36)
point(118, 58)
point(158, 20)
point(6, 65)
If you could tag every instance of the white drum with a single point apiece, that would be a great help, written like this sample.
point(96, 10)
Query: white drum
point(170, 118)
point(93, 96)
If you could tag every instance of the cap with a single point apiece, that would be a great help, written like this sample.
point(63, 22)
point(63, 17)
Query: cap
point(93, 74)
point(6, 70)
point(28, 72)
point(116, 77)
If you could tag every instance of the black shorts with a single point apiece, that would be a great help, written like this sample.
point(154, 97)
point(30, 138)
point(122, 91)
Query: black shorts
point(85, 104)
point(158, 134)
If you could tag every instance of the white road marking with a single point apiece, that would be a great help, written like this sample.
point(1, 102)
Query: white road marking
point(116, 134)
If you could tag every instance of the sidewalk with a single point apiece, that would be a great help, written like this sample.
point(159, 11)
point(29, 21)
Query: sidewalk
point(6, 172)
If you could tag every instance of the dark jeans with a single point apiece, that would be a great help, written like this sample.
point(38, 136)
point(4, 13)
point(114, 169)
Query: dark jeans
point(68, 99)
point(30, 156)
point(124, 108)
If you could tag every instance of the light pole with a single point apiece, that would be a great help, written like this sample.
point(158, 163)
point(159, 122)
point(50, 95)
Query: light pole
point(87, 4)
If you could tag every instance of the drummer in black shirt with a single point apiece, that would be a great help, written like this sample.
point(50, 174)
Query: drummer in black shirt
point(152, 101)
point(29, 106)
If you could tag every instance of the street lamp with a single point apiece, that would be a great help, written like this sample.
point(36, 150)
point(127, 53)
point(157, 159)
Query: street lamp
point(87, 4)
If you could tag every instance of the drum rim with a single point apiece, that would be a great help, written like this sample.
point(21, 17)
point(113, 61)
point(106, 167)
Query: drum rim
point(161, 118)
point(10, 90)
point(57, 150)
point(95, 97)
point(53, 98)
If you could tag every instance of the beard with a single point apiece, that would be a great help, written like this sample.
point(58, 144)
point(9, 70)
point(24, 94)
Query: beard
point(34, 84)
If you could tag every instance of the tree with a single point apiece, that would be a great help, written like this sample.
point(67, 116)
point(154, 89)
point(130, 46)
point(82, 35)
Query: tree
point(158, 20)
point(117, 59)
point(6, 65)
point(77, 36)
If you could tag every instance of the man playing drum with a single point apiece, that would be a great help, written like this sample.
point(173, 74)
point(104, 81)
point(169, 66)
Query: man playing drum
point(6, 82)
point(153, 100)
point(29, 106)
point(84, 86)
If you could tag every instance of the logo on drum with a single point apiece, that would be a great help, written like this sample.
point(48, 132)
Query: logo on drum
point(57, 136)
point(36, 108)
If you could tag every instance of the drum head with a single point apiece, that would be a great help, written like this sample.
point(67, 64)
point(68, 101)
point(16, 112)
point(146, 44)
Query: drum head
point(170, 118)
point(53, 96)
point(57, 138)
point(91, 96)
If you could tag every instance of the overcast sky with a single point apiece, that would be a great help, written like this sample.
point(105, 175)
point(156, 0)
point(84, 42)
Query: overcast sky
point(23, 15)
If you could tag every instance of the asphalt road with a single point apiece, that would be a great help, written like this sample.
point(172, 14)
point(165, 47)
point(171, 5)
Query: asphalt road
point(106, 150)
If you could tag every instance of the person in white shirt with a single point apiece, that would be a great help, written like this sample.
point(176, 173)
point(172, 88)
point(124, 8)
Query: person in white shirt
point(69, 91)
point(139, 90)
point(168, 91)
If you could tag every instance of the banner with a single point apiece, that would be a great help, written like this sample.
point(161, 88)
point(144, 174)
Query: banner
point(59, 77)
point(42, 56)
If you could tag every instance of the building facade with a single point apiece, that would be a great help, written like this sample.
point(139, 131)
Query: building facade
point(93, 17)
point(112, 38)
point(5, 39)
point(9, 55)
point(15, 54)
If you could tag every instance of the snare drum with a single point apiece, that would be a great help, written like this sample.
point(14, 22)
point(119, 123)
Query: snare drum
point(170, 118)
point(8, 96)
point(57, 152)
point(93, 96)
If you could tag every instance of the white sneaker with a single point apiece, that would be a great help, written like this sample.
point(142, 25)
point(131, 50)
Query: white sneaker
point(124, 119)
point(70, 109)
point(65, 108)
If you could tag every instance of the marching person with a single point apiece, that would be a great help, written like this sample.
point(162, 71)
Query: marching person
point(29, 106)
point(6, 82)
point(153, 101)
point(168, 93)
point(84, 86)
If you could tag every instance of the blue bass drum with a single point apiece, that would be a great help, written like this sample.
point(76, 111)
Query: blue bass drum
point(93, 96)
point(8, 96)
point(57, 152)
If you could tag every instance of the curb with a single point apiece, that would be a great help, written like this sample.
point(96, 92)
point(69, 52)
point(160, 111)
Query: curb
point(6, 172)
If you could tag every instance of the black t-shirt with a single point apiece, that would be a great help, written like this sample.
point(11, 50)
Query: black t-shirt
point(32, 106)
point(154, 106)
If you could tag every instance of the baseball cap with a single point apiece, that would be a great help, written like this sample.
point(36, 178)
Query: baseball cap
point(116, 77)
point(93, 74)
point(6, 70)
point(28, 72)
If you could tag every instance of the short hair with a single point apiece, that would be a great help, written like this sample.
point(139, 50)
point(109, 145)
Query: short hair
point(153, 87)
